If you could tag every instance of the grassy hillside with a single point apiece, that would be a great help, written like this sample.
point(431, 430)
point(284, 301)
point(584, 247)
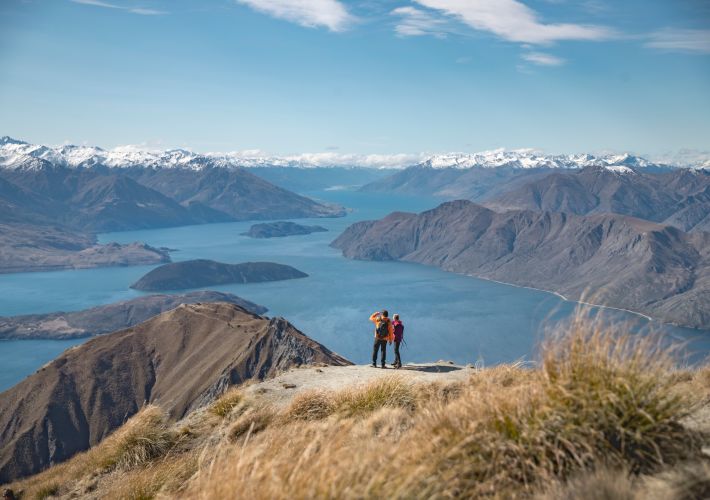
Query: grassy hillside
point(602, 415)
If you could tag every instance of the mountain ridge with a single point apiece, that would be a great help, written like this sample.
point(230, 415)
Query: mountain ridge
point(11, 151)
point(605, 259)
point(182, 359)
point(109, 317)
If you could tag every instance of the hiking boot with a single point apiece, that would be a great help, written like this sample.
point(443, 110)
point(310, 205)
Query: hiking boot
point(373, 365)
point(384, 366)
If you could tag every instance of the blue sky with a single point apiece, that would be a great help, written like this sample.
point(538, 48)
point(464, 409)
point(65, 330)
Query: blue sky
point(291, 76)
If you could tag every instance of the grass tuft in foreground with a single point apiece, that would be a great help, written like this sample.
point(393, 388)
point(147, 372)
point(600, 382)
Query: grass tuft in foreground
point(603, 413)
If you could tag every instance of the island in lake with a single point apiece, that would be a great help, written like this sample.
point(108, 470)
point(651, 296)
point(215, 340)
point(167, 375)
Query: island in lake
point(202, 272)
point(27, 247)
point(280, 229)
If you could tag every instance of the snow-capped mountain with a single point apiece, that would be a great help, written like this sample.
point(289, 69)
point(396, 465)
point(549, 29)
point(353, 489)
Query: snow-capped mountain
point(19, 154)
point(528, 158)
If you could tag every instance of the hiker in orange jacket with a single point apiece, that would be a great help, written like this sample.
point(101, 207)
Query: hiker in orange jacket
point(384, 332)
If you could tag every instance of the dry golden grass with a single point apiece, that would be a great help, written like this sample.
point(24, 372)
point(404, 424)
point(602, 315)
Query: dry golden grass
point(227, 402)
point(388, 392)
point(599, 398)
point(142, 439)
point(252, 421)
point(603, 411)
point(311, 405)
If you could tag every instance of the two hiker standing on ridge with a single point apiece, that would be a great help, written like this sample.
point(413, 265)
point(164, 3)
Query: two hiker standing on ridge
point(386, 331)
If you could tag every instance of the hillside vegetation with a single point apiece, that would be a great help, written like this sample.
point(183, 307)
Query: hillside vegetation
point(603, 414)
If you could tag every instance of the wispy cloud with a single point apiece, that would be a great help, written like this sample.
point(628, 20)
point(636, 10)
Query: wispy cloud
point(416, 22)
point(513, 21)
point(330, 14)
point(542, 59)
point(133, 10)
point(397, 160)
point(680, 40)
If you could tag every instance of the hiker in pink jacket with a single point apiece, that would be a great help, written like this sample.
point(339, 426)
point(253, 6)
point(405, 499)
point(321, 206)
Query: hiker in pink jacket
point(398, 328)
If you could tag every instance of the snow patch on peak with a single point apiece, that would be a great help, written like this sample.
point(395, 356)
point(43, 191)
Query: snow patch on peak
point(531, 158)
point(17, 154)
point(620, 169)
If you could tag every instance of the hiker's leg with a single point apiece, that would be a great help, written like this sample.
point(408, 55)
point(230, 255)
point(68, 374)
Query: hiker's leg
point(384, 351)
point(397, 360)
point(374, 351)
point(381, 347)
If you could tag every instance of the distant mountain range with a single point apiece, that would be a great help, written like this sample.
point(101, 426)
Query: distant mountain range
point(606, 259)
point(529, 158)
point(53, 199)
point(182, 360)
point(578, 184)
point(679, 197)
point(91, 189)
point(14, 153)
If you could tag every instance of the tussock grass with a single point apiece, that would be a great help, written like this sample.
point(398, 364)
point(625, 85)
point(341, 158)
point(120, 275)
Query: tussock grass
point(253, 421)
point(602, 413)
point(311, 405)
point(599, 399)
point(143, 438)
point(227, 402)
point(389, 392)
point(46, 491)
point(614, 395)
point(599, 484)
point(164, 476)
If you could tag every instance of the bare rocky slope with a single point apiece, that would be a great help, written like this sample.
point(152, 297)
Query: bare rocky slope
point(680, 197)
point(180, 360)
point(453, 183)
point(108, 318)
point(235, 192)
point(676, 196)
point(608, 259)
point(25, 248)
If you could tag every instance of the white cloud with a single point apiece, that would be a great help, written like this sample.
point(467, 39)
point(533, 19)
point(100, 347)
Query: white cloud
point(677, 40)
point(97, 3)
point(309, 13)
point(146, 12)
point(514, 21)
point(368, 160)
point(132, 10)
point(542, 59)
point(416, 22)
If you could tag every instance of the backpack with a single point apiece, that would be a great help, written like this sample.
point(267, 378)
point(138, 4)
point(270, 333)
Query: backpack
point(382, 331)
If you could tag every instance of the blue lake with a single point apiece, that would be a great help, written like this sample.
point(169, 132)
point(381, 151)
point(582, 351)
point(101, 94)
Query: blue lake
point(447, 316)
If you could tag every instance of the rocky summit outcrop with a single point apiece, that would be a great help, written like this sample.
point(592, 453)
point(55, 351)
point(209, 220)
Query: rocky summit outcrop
point(608, 259)
point(280, 229)
point(180, 360)
point(108, 318)
point(202, 272)
point(25, 248)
